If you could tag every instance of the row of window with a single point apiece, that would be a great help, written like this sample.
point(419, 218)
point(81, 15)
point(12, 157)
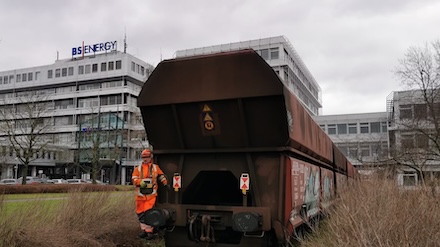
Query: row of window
point(30, 76)
point(68, 89)
point(359, 150)
point(355, 128)
point(43, 154)
point(418, 111)
point(85, 69)
point(69, 71)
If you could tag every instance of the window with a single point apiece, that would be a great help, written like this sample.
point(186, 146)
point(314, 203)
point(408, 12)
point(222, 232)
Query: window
point(342, 129)
point(142, 70)
point(422, 141)
point(18, 78)
point(89, 102)
point(65, 89)
point(103, 66)
point(5, 79)
point(265, 54)
point(37, 74)
point(274, 53)
point(57, 73)
point(118, 64)
point(407, 141)
point(65, 120)
point(64, 72)
point(111, 65)
point(111, 100)
point(70, 71)
point(94, 68)
point(384, 127)
point(420, 111)
point(322, 126)
point(89, 86)
point(64, 104)
point(365, 150)
point(353, 151)
point(30, 76)
point(365, 128)
point(409, 179)
point(375, 127)
point(331, 129)
point(133, 66)
point(49, 74)
point(11, 79)
point(81, 69)
point(405, 111)
point(87, 70)
point(352, 128)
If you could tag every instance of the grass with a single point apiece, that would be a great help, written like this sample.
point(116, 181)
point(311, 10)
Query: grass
point(81, 219)
point(377, 212)
point(371, 212)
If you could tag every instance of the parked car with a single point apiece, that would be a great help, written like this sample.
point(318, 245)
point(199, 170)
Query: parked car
point(30, 180)
point(8, 181)
point(59, 181)
point(90, 181)
point(75, 181)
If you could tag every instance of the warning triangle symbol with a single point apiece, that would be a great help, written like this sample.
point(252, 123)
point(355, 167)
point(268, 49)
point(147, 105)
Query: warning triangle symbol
point(176, 185)
point(207, 117)
point(244, 186)
point(176, 178)
point(244, 179)
point(206, 108)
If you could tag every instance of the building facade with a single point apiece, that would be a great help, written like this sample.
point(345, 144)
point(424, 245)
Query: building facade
point(363, 137)
point(75, 92)
point(414, 134)
point(282, 57)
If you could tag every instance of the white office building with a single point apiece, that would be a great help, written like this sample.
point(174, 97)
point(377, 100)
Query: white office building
point(362, 137)
point(96, 82)
point(282, 57)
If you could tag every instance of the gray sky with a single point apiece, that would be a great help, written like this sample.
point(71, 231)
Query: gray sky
point(350, 46)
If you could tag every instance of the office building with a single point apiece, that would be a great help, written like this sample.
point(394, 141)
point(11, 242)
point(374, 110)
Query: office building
point(96, 83)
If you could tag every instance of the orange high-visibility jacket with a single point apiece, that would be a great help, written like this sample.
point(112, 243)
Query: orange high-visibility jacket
point(144, 169)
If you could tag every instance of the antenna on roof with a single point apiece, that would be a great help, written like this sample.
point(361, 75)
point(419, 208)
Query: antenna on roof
point(125, 40)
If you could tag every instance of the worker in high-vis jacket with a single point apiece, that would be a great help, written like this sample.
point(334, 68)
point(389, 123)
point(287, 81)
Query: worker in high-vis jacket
point(145, 177)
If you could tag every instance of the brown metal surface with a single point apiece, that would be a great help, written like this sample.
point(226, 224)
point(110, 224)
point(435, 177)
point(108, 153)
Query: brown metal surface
point(305, 134)
point(340, 159)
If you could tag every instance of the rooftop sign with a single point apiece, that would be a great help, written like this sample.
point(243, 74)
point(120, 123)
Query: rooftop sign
point(101, 47)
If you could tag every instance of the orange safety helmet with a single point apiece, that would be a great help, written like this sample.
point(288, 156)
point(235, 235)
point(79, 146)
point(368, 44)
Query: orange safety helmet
point(146, 153)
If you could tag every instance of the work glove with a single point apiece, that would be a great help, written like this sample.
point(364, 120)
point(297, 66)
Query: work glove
point(168, 187)
point(143, 184)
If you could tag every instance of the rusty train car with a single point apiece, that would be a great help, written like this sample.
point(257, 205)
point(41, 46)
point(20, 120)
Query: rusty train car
point(248, 164)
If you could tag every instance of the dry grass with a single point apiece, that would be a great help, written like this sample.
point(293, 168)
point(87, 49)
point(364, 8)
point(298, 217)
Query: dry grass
point(378, 213)
point(102, 219)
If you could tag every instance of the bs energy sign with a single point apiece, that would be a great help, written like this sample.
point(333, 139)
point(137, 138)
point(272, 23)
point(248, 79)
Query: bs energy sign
point(101, 47)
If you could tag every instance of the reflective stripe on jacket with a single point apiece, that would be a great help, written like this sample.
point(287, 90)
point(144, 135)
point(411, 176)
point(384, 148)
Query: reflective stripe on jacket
point(144, 169)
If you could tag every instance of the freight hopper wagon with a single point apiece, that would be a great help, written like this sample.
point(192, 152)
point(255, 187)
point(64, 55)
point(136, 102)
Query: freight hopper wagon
point(248, 165)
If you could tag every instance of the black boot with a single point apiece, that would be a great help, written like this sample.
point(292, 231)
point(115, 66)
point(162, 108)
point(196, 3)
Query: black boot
point(143, 234)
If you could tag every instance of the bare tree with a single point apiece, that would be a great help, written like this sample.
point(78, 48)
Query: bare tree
point(417, 134)
point(25, 123)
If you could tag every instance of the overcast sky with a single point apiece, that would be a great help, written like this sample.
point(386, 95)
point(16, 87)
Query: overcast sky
point(351, 47)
